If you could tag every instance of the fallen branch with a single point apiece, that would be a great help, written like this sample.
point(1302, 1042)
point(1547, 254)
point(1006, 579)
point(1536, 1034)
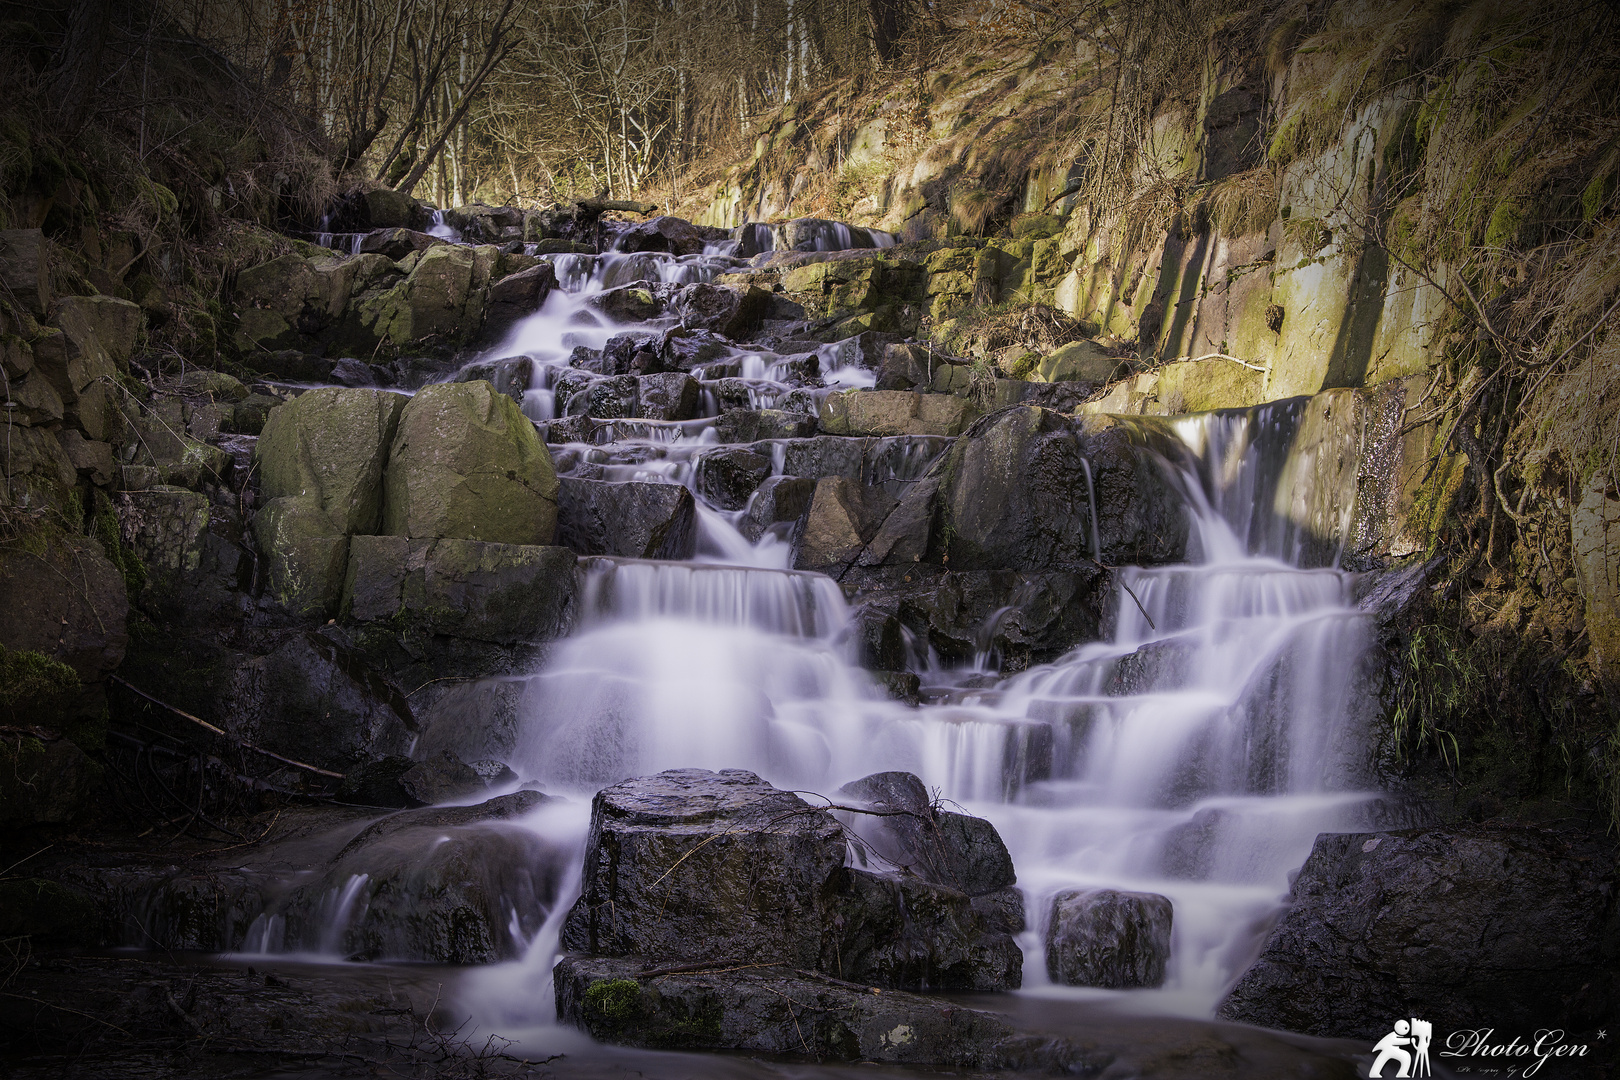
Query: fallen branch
point(1213, 356)
point(222, 733)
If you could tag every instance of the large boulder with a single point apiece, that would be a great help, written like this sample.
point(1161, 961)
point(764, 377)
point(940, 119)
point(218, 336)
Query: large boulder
point(639, 520)
point(195, 565)
point(1510, 927)
point(104, 322)
point(691, 865)
point(732, 310)
point(1105, 937)
point(1015, 496)
point(669, 395)
point(671, 234)
point(466, 463)
point(509, 376)
point(304, 555)
point(935, 844)
point(328, 447)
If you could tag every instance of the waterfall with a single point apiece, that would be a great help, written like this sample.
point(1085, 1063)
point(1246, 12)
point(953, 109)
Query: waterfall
point(1195, 754)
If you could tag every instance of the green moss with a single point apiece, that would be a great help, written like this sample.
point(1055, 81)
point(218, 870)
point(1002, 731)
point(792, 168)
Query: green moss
point(35, 689)
point(1507, 221)
point(104, 527)
point(615, 1000)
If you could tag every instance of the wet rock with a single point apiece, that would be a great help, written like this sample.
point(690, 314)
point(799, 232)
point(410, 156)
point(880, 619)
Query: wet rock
point(357, 373)
point(509, 376)
point(729, 476)
point(439, 778)
point(779, 499)
point(907, 532)
point(684, 349)
point(47, 912)
point(1488, 926)
point(669, 395)
point(628, 304)
point(615, 398)
point(634, 353)
point(1108, 938)
point(865, 350)
point(941, 846)
point(731, 310)
point(894, 412)
point(844, 515)
point(639, 520)
point(755, 425)
point(781, 1011)
point(671, 234)
point(1023, 618)
point(467, 464)
point(516, 296)
point(473, 719)
point(462, 889)
point(825, 455)
point(907, 933)
point(503, 594)
point(390, 209)
point(309, 697)
point(396, 243)
point(693, 865)
point(879, 640)
point(1011, 500)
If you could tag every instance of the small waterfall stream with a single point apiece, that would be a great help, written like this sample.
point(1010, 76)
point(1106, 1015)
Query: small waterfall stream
point(1195, 753)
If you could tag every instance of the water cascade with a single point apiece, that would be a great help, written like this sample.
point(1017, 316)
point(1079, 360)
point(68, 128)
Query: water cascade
point(1195, 753)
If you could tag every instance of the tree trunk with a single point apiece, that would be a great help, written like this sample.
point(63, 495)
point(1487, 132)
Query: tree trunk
point(889, 21)
point(78, 65)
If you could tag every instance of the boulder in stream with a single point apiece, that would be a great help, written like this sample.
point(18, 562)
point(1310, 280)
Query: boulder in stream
point(1105, 937)
point(691, 866)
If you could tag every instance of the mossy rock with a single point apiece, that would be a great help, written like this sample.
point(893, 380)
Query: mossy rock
point(329, 446)
point(467, 464)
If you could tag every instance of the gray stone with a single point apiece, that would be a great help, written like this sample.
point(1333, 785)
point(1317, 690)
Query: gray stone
point(1104, 937)
point(692, 865)
point(515, 296)
point(729, 476)
point(755, 425)
point(779, 499)
point(327, 447)
point(439, 778)
point(941, 846)
point(396, 243)
point(66, 600)
point(1503, 926)
point(731, 310)
point(25, 270)
point(669, 395)
point(843, 516)
point(509, 376)
point(639, 520)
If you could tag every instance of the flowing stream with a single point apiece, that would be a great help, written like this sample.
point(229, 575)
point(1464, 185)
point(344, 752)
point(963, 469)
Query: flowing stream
point(1195, 753)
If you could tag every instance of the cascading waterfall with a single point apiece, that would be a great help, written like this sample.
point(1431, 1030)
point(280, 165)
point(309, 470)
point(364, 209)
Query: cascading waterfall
point(1195, 754)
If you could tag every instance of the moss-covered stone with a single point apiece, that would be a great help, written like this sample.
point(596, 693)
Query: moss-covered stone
point(304, 554)
point(467, 464)
point(329, 446)
point(894, 412)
